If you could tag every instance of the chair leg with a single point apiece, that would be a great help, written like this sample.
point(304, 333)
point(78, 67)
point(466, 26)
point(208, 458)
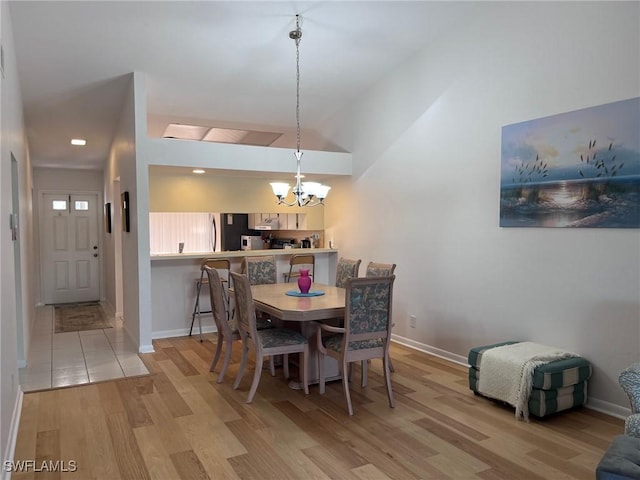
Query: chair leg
point(285, 365)
point(272, 366)
point(243, 363)
point(216, 357)
point(227, 358)
point(199, 320)
point(391, 369)
point(196, 308)
point(345, 385)
point(364, 368)
point(256, 377)
point(321, 381)
point(387, 379)
point(304, 358)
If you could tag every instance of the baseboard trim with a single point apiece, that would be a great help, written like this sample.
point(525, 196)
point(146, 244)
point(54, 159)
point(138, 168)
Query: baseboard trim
point(13, 434)
point(608, 408)
point(146, 349)
point(422, 347)
point(601, 406)
point(181, 332)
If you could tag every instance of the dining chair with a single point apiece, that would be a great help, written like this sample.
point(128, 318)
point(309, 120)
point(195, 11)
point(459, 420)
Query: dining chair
point(304, 260)
point(346, 269)
point(261, 270)
point(273, 341)
point(217, 263)
point(366, 333)
point(227, 329)
point(380, 269)
point(375, 269)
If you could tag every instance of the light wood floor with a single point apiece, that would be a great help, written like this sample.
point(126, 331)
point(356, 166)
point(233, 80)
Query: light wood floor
point(179, 423)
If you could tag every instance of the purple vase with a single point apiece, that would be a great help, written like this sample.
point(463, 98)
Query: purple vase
point(304, 281)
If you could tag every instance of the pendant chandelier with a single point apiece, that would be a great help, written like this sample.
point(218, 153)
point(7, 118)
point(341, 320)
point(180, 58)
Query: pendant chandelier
point(307, 194)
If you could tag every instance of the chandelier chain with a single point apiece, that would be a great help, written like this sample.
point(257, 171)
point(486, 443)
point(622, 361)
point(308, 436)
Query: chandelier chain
point(297, 40)
point(309, 194)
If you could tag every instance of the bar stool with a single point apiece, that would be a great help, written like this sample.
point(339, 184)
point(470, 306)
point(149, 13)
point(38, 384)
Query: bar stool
point(302, 259)
point(218, 264)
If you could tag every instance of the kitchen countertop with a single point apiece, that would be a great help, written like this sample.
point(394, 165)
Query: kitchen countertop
point(239, 253)
point(174, 276)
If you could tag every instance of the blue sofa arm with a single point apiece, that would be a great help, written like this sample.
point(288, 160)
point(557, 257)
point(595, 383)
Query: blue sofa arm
point(632, 425)
point(629, 380)
point(621, 461)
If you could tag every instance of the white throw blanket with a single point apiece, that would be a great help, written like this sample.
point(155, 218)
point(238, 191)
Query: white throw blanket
point(506, 372)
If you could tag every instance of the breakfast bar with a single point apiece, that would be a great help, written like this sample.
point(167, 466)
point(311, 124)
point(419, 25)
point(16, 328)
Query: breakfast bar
point(173, 281)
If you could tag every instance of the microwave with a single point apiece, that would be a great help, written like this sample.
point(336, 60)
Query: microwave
point(250, 242)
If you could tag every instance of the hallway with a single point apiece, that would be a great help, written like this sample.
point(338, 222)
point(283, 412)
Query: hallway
point(75, 358)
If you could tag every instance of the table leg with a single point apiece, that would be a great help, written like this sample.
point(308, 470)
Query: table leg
point(331, 367)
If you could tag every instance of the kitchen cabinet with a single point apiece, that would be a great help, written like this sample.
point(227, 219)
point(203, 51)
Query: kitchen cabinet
point(286, 221)
point(297, 221)
point(254, 219)
point(292, 221)
point(259, 218)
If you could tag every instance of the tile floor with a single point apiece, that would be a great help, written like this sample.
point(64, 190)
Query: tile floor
point(73, 358)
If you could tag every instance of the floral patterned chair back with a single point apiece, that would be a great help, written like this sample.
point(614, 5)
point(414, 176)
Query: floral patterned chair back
point(380, 269)
point(368, 313)
point(260, 270)
point(346, 269)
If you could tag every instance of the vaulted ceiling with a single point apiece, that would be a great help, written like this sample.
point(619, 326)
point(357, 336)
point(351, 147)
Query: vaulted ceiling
point(226, 64)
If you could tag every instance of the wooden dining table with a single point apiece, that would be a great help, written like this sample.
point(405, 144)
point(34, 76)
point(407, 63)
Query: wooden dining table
point(274, 301)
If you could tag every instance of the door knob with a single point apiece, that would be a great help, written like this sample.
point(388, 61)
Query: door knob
point(95, 247)
point(95, 255)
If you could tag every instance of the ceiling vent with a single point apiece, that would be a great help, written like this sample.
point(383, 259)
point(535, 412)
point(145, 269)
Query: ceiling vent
point(220, 135)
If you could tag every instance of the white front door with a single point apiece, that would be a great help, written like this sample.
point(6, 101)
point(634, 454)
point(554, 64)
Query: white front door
point(69, 245)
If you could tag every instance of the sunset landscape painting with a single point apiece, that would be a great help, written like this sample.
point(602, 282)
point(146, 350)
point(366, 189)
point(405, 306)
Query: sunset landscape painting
point(575, 169)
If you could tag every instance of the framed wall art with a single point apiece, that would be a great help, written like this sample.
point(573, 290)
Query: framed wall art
point(575, 169)
point(126, 222)
point(107, 217)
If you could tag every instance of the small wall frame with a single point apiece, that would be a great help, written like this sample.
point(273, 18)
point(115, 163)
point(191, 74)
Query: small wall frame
point(126, 223)
point(107, 217)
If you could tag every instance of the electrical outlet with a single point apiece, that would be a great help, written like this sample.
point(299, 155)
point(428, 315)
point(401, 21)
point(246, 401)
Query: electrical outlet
point(412, 321)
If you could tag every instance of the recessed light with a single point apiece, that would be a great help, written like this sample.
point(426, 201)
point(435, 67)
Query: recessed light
point(198, 170)
point(78, 141)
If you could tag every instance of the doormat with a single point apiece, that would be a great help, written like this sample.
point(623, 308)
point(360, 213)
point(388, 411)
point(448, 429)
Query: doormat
point(73, 317)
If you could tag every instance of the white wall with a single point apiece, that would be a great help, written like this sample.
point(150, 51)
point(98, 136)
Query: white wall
point(425, 191)
point(13, 284)
point(67, 179)
point(121, 167)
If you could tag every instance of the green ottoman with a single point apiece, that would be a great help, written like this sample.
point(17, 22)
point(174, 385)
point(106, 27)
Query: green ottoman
point(557, 386)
